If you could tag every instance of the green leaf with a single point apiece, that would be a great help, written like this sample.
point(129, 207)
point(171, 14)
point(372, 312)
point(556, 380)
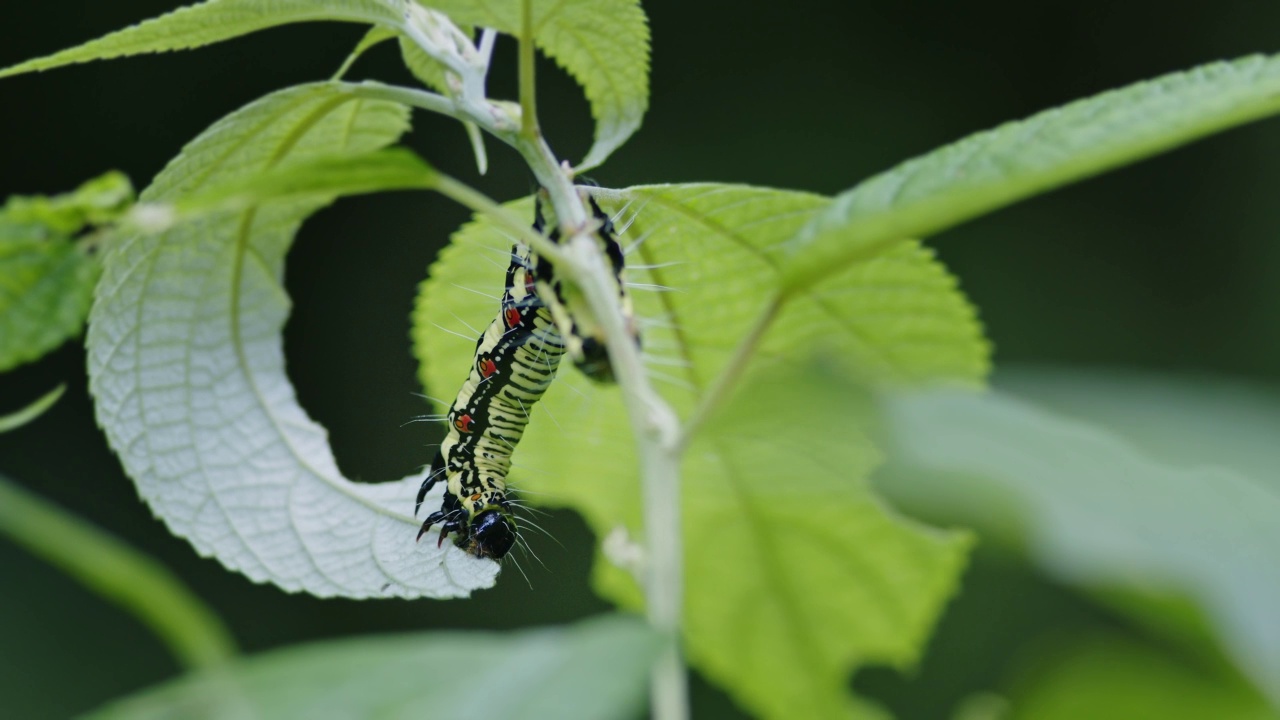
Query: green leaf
point(187, 370)
point(46, 280)
point(805, 575)
point(992, 169)
point(323, 176)
point(210, 22)
point(45, 290)
point(428, 71)
point(1107, 678)
point(595, 670)
point(17, 419)
point(898, 319)
point(97, 202)
point(603, 44)
point(1090, 510)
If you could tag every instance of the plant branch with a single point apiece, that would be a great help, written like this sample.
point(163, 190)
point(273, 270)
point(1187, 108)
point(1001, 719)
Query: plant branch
point(528, 79)
point(18, 418)
point(468, 197)
point(729, 377)
point(656, 430)
point(118, 573)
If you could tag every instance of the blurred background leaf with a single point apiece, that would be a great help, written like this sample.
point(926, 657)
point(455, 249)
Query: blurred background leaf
point(1108, 678)
point(47, 279)
point(594, 670)
point(1187, 420)
point(1089, 510)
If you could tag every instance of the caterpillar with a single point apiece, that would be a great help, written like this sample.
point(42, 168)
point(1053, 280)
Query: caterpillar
point(515, 360)
point(584, 336)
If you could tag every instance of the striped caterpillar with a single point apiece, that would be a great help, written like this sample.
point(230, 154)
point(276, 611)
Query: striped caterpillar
point(515, 360)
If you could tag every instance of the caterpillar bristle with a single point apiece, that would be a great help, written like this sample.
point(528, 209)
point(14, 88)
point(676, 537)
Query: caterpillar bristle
point(455, 333)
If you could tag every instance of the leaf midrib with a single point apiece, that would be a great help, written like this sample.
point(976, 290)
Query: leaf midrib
point(242, 248)
point(871, 349)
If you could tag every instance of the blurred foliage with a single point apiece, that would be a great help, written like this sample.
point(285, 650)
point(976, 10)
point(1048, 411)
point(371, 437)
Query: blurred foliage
point(593, 670)
point(1106, 678)
point(46, 277)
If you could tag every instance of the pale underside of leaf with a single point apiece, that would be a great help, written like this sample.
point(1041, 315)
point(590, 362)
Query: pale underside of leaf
point(756, 567)
point(1091, 510)
point(596, 670)
point(603, 44)
point(187, 369)
point(1017, 160)
point(210, 22)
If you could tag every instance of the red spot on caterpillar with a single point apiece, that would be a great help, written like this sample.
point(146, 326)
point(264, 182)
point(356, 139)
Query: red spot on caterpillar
point(528, 283)
point(488, 367)
point(463, 423)
point(513, 317)
point(475, 498)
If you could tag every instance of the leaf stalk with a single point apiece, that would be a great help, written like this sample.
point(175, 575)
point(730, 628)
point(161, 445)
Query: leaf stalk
point(119, 573)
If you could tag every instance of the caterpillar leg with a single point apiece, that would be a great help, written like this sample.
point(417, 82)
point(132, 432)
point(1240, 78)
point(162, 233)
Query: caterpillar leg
point(450, 524)
point(437, 472)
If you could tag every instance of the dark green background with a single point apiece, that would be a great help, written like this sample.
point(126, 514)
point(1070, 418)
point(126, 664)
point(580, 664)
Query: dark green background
point(1169, 265)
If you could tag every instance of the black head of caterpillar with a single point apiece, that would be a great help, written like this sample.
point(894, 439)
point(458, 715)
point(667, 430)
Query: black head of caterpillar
point(488, 530)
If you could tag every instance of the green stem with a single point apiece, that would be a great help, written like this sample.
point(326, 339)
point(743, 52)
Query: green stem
point(656, 430)
point(467, 197)
point(528, 78)
point(15, 420)
point(412, 97)
point(119, 573)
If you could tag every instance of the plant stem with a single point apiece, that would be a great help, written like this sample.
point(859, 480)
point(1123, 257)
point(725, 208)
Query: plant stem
point(468, 197)
point(655, 425)
point(528, 79)
point(656, 430)
point(119, 573)
point(17, 419)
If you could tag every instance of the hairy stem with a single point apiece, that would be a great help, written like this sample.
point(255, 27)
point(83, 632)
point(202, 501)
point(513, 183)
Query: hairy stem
point(656, 430)
point(119, 573)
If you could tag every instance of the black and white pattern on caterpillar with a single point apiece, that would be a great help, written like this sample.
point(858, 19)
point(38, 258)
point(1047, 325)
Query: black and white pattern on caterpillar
point(516, 358)
point(584, 336)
